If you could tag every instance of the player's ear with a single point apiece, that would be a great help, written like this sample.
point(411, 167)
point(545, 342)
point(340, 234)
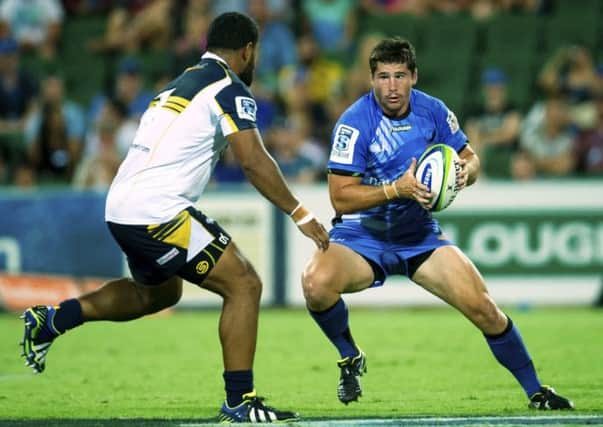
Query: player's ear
point(415, 76)
point(248, 51)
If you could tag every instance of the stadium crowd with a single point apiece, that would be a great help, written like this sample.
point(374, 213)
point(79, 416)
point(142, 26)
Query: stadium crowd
point(312, 64)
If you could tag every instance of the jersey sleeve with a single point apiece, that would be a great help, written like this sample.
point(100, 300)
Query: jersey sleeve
point(349, 142)
point(237, 109)
point(447, 125)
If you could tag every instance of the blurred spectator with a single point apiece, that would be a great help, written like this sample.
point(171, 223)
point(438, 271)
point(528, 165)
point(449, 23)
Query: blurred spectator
point(222, 6)
point(188, 47)
point(86, 7)
point(108, 144)
point(525, 6)
point(482, 10)
point(383, 7)
point(546, 142)
point(358, 78)
point(286, 143)
point(54, 133)
point(18, 94)
point(493, 129)
point(228, 170)
point(129, 89)
point(135, 24)
point(277, 48)
point(35, 24)
point(332, 23)
point(312, 85)
point(113, 121)
point(589, 146)
point(570, 72)
point(450, 7)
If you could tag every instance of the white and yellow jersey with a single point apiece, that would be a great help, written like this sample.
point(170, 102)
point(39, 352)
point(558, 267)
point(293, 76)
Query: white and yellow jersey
point(178, 142)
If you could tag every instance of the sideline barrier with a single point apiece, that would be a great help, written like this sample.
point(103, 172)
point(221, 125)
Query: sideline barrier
point(51, 240)
point(535, 243)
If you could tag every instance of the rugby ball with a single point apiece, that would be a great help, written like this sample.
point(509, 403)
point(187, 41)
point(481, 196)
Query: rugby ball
point(437, 169)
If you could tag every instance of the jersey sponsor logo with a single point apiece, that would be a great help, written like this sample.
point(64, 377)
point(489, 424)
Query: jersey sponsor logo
point(169, 255)
point(343, 145)
point(401, 128)
point(202, 267)
point(453, 123)
point(246, 107)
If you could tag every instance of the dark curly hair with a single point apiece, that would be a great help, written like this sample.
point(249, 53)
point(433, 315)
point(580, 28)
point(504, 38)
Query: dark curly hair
point(231, 31)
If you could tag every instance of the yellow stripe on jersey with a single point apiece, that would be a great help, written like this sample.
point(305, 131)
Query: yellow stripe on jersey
point(175, 232)
point(176, 103)
point(231, 123)
point(174, 107)
point(178, 100)
point(217, 247)
point(233, 126)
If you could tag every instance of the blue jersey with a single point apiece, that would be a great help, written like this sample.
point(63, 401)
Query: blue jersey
point(369, 144)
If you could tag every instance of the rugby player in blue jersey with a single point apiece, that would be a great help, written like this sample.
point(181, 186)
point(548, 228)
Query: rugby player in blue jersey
point(383, 225)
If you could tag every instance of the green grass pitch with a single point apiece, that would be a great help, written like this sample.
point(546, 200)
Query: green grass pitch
point(421, 362)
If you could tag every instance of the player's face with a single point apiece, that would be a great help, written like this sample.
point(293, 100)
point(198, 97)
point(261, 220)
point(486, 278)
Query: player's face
point(392, 84)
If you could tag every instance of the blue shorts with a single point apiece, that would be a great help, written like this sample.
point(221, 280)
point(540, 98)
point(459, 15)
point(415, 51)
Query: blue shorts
point(388, 258)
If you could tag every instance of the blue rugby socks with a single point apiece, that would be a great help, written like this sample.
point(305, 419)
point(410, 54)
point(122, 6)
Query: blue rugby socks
point(511, 352)
point(236, 384)
point(334, 323)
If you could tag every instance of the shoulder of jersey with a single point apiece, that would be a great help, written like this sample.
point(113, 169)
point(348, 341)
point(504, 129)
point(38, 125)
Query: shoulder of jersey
point(214, 71)
point(424, 101)
point(360, 112)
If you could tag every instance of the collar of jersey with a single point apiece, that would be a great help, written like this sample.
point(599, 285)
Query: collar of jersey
point(209, 55)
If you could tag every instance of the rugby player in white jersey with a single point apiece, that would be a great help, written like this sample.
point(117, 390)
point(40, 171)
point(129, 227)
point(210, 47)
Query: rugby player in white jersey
point(151, 213)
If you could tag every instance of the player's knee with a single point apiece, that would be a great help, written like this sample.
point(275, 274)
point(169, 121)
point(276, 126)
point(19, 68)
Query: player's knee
point(246, 284)
point(316, 286)
point(486, 315)
point(164, 296)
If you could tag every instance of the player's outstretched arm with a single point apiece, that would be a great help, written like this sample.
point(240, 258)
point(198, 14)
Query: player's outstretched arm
point(264, 174)
point(349, 195)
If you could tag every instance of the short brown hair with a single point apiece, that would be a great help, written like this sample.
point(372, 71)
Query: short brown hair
point(393, 50)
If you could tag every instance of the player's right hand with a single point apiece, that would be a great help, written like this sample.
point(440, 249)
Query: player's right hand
point(411, 188)
point(317, 232)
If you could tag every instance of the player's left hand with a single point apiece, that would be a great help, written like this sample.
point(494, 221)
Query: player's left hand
point(317, 232)
point(462, 174)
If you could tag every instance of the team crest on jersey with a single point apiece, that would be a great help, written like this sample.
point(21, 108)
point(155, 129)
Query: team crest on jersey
point(453, 123)
point(246, 107)
point(343, 144)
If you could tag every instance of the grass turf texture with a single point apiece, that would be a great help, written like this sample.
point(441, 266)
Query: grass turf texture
point(421, 362)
